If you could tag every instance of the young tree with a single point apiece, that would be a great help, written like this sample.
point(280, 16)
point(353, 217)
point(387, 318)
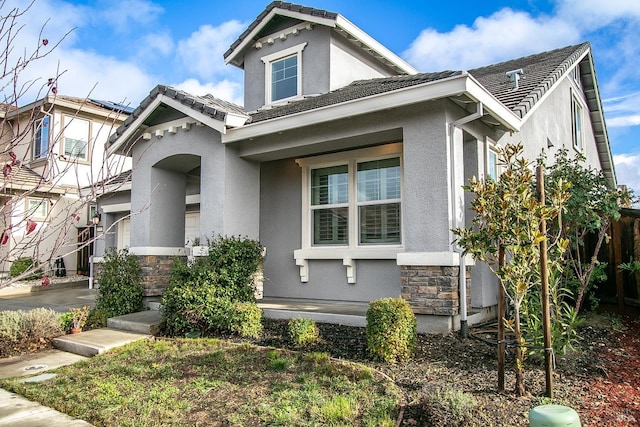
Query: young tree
point(589, 211)
point(44, 193)
point(505, 234)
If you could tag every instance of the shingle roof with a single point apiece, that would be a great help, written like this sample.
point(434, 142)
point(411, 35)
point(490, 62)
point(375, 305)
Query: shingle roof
point(540, 72)
point(280, 5)
point(22, 177)
point(356, 90)
point(207, 104)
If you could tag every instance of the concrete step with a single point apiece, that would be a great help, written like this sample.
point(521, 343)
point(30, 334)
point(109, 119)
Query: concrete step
point(145, 322)
point(96, 341)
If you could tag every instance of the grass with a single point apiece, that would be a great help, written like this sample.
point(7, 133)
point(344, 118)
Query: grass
point(215, 382)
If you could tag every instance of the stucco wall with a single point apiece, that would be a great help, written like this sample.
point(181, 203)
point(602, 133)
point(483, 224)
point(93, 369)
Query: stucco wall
point(315, 63)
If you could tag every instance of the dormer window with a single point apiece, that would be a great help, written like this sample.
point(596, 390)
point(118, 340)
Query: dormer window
point(283, 74)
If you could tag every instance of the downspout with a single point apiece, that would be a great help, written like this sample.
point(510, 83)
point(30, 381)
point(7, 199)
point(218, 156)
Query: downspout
point(459, 222)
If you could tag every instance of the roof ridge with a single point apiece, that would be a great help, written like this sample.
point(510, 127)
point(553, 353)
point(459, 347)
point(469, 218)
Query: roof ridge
point(536, 93)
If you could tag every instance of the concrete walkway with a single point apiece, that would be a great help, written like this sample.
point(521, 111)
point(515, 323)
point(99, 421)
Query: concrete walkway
point(15, 410)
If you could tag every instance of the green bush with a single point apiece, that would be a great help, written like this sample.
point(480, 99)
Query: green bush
point(246, 320)
point(445, 406)
point(33, 326)
point(25, 264)
point(391, 329)
point(120, 286)
point(303, 331)
point(97, 318)
point(203, 295)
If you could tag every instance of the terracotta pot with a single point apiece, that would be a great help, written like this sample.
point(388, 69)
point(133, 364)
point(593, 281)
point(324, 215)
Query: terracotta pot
point(76, 330)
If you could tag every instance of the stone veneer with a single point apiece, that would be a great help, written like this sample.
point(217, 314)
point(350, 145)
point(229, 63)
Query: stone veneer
point(432, 289)
point(155, 273)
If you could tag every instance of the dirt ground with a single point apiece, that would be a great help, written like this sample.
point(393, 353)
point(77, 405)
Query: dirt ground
point(600, 379)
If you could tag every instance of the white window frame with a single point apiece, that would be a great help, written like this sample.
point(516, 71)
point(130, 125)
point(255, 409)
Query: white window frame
point(353, 249)
point(577, 118)
point(491, 147)
point(69, 121)
point(38, 138)
point(40, 211)
point(275, 57)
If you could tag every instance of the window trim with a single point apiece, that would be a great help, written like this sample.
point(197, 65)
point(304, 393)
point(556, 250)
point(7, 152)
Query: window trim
point(577, 111)
point(37, 131)
point(66, 121)
point(492, 147)
point(32, 213)
point(353, 249)
point(277, 56)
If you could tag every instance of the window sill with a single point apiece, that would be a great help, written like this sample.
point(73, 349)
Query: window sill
point(347, 255)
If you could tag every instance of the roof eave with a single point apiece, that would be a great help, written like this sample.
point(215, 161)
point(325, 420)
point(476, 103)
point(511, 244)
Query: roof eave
point(452, 86)
point(376, 47)
point(231, 58)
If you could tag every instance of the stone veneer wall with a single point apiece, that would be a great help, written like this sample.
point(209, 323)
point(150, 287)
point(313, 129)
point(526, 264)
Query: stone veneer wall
point(433, 289)
point(156, 270)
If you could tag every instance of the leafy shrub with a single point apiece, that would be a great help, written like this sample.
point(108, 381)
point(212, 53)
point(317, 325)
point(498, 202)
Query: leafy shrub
point(22, 265)
point(303, 331)
point(120, 286)
point(391, 329)
point(97, 318)
point(204, 295)
point(28, 327)
point(246, 320)
point(66, 320)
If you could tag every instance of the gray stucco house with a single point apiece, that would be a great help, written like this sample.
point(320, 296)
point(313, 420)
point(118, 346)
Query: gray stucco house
point(345, 162)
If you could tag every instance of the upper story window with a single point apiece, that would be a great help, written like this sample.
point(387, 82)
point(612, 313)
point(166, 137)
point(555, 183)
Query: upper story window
point(37, 209)
point(41, 131)
point(577, 123)
point(354, 198)
point(283, 74)
point(76, 138)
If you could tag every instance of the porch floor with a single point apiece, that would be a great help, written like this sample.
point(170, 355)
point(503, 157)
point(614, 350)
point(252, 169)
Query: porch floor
point(345, 313)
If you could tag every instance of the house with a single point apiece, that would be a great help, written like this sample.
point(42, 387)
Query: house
point(345, 162)
point(52, 148)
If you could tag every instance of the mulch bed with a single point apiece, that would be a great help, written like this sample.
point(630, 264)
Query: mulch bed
point(600, 379)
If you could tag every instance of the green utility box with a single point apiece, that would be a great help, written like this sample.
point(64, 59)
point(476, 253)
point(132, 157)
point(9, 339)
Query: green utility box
point(553, 416)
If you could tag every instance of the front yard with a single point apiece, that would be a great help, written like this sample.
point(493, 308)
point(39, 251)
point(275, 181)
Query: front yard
point(449, 381)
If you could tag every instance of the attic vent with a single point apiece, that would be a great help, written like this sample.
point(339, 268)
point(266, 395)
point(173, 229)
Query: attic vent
point(514, 76)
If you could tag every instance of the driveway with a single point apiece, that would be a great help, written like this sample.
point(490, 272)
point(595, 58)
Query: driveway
point(60, 300)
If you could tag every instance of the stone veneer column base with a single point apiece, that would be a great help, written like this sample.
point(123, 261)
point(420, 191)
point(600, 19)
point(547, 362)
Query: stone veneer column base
point(155, 273)
point(433, 289)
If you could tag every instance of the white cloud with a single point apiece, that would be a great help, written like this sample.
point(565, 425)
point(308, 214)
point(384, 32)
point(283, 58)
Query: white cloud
point(202, 53)
point(227, 90)
point(156, 44)
point(504, 35)
point(627, 170)
point(591, 14)
point(122, 14)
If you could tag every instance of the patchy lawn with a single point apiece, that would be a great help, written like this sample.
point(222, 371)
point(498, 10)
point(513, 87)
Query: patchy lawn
point(448, 382)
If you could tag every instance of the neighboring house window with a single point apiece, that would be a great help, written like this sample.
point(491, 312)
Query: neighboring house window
point(37, 209)
point(76, 138)
point(354, 201)
point(41, 137)
point(576, 123)
point(283, 72)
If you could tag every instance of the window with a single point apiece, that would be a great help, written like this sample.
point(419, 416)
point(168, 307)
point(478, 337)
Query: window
point(37, 208)
point(355, 200)
point(76, 138)
point(576, 123)
point(283, 72)
point(492, 164)
point(41, 137)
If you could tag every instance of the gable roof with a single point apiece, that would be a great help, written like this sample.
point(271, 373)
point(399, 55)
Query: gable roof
point(208, 109)
point(266, 24)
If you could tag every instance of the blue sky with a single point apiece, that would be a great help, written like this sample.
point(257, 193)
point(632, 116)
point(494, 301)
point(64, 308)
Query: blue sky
point(119, 50)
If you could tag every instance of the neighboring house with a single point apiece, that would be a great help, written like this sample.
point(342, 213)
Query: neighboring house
point(345, 162)
point(51, 149)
